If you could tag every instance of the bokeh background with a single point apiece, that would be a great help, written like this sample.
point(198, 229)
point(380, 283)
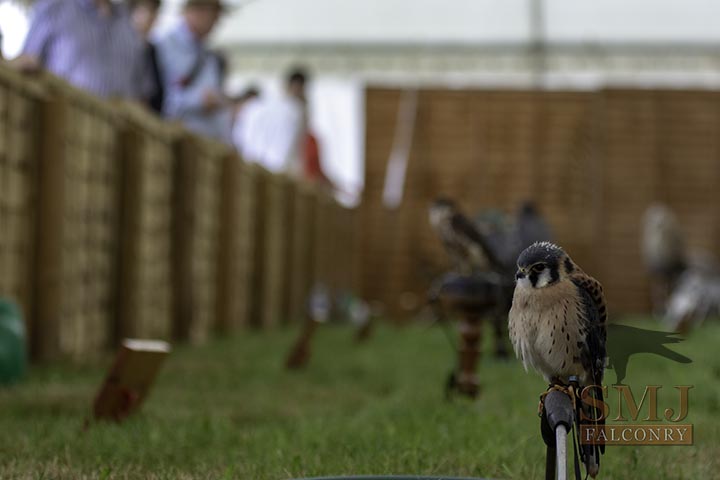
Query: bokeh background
point(592, 110)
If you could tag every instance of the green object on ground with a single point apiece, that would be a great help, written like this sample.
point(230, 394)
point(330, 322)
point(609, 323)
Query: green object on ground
point(13, 355)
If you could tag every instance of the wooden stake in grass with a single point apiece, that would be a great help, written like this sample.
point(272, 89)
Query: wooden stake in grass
point(318, 312)
point(130, 378)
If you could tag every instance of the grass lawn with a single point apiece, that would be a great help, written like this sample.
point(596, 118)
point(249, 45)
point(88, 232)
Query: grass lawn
point(229, 410)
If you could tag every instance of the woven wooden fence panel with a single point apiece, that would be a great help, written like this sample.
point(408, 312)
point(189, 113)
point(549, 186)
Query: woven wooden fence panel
point(689, 156)
point(290, 188)
point(592, 162)
point(257, 275)
point(338, 248)
point(275, 236)
point(77, 264)
point(630, 139)
point(303, 250)
point(20, 113)
point(145, 290)
point(237, 244)
point(249, 227)
point(656, 146)
point(383, 230)
point(198, 195)
point(346, 232)
point(324, 242)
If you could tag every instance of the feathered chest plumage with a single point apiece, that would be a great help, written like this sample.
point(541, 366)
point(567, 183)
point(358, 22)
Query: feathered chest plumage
point(546, 330)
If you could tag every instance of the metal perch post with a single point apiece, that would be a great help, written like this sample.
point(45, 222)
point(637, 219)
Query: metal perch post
point(556, 422)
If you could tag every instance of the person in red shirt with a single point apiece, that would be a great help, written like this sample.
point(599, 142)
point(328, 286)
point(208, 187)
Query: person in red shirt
point(312, 168)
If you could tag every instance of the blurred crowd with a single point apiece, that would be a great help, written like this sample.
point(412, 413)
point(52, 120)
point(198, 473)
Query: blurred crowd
point(106, 48)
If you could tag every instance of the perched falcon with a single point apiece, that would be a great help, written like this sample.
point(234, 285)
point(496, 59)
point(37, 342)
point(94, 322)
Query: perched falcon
point(558, 323)
point(466, 246)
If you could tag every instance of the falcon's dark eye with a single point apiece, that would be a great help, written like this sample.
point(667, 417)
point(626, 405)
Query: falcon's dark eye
point(539, 267)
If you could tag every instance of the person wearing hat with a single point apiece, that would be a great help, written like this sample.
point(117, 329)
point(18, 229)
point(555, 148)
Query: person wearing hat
point(192, 75)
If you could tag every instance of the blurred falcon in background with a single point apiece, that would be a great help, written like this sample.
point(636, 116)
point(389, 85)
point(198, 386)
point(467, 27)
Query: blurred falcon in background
point(664, 253)
point(558, 324)
point(530, 226)
point(465, 245)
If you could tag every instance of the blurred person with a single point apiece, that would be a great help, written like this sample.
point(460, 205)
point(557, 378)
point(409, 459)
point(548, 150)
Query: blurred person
point(249, 94)
point(192, 74)
point(223, 64)
point(273, 131)
point(310, 154)
point(240, 102)
point(312, 163)
point(143, 14)
point(89, 43)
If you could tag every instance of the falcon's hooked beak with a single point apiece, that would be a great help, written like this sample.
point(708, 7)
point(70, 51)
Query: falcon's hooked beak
point(522, 278)
point(521, 273)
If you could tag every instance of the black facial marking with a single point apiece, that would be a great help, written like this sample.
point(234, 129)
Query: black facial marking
point(533, 277)
point(569, 266)
point(554, 274)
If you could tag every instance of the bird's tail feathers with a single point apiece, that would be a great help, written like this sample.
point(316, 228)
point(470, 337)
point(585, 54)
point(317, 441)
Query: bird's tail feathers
point(593, 416)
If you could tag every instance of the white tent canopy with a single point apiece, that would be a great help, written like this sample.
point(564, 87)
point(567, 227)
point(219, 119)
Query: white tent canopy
point(470, 21)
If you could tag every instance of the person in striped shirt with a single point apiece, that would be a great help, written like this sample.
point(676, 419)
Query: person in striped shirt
point(91, 44)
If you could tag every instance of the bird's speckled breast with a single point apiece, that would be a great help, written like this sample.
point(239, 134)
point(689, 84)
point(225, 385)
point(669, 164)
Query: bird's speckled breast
point(545, 330)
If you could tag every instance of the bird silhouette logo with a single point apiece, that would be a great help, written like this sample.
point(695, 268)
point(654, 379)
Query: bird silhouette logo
point(625, 341)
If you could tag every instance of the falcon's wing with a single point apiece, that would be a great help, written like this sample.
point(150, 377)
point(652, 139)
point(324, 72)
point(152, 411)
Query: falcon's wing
point(593, 351)
point(595, 290)
point(594, 322)
point(463, 228)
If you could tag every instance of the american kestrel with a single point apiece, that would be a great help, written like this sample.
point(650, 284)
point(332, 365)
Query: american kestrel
point(466, 246)
point(558, 323)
